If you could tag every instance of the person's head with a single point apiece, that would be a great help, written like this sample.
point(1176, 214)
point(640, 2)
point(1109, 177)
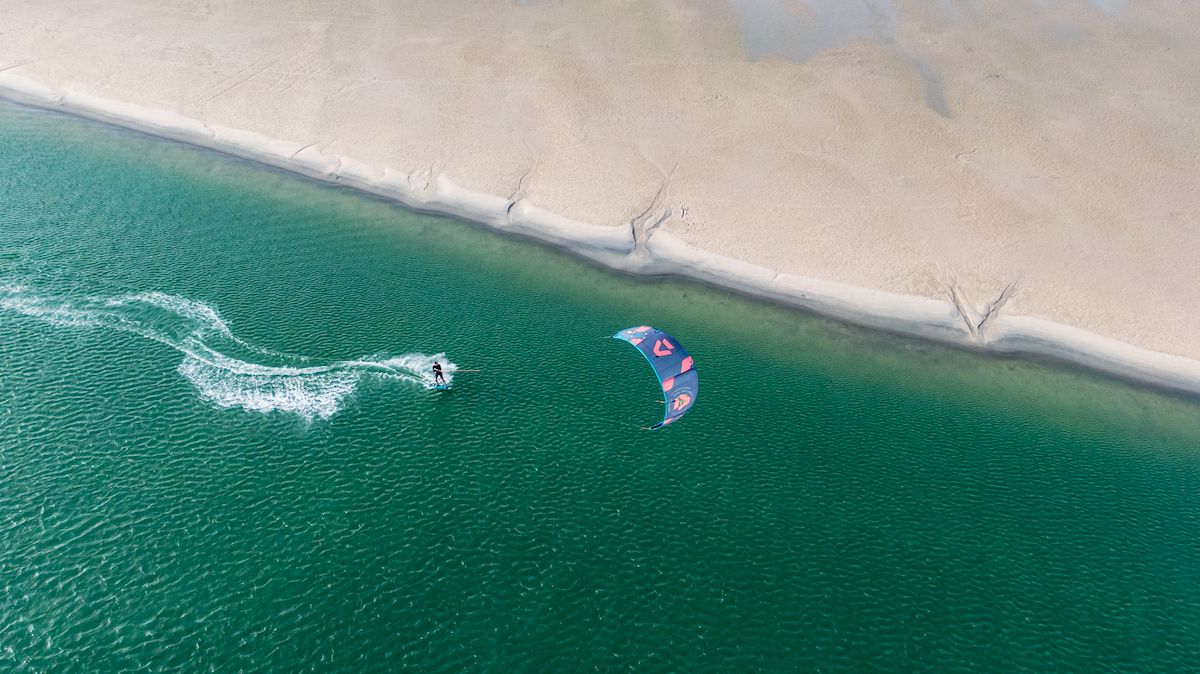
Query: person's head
point(436, 363)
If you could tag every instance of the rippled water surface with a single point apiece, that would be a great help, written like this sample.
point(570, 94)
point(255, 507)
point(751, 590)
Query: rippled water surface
point(219, 451)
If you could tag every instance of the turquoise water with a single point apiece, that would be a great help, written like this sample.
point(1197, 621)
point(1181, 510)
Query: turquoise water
point(218, 452)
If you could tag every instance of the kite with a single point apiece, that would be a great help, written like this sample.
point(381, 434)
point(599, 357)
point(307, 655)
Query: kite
point(674, 367)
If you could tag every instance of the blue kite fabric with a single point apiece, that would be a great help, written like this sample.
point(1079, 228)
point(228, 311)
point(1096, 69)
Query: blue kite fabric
point(675, 369)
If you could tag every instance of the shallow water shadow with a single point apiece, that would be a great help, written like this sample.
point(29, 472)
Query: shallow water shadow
point(798, 31)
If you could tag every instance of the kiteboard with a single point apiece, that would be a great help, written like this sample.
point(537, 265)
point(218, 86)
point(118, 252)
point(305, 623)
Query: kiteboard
point(441, 387)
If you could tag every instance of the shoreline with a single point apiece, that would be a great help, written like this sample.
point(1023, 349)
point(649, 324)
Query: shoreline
point(642, 251)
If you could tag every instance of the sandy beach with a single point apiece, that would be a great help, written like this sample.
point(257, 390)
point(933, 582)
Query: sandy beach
point(1018, 176)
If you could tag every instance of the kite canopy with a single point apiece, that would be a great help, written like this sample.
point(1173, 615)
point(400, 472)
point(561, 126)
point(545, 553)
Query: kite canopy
point(671, 362)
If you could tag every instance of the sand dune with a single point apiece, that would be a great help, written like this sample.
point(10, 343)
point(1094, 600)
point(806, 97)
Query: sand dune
point(1040, 154)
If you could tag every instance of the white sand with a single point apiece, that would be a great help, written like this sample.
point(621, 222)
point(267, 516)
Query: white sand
point(1066, 169)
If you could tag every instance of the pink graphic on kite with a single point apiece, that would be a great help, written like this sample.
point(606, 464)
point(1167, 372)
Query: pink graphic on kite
point(672, 365)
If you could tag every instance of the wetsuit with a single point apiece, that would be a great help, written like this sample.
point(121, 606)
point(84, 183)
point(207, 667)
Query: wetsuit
point(437, 374)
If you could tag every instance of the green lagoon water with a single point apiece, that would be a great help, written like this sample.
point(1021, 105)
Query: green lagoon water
point(217, 454)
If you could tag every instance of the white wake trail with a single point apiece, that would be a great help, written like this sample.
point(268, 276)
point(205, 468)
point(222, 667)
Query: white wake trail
point(225, 369)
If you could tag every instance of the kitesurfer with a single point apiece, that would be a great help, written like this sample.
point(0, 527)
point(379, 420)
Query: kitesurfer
point(437, 373)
